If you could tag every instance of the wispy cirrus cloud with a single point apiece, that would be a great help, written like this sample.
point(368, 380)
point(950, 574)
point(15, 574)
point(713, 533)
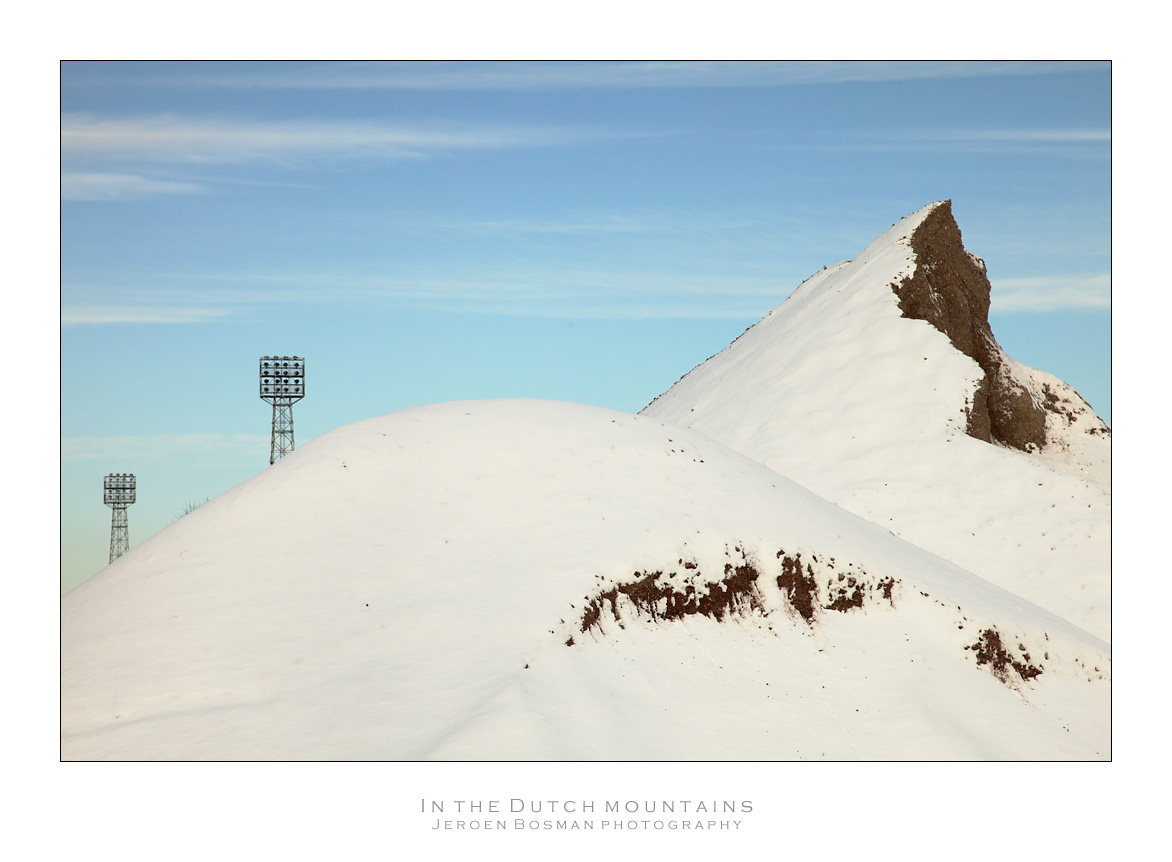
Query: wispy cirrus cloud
point(172, 301)
point(148, 312)
point(175, 139)
point(528, 292)
point(79, 186)
point(1051, 293)
point(1029, 136)
point(605, 75)
point(1056, 140)
point(673, 222)
point(158, 446)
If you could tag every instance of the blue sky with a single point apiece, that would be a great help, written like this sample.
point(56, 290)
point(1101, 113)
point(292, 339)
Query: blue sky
point(424, 232)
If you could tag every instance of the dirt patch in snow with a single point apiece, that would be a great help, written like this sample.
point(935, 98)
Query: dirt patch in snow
point(804, 589)
point(991, 651)
point(801, 589)
point(846, 596)
point(852, 589)
point(651, 594)
point(807, 587)
point(950, 290)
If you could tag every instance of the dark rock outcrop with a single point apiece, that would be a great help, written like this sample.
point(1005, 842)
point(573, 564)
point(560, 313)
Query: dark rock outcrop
point(950, 290)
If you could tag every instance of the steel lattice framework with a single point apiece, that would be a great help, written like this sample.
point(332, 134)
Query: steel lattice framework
point(282, 381)
point(118, 492)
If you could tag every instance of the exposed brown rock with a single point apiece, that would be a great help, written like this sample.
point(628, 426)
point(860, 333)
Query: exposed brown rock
point(950, 290)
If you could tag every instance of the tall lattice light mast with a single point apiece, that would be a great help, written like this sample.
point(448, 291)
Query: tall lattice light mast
point(118, 493)
point(282, 381)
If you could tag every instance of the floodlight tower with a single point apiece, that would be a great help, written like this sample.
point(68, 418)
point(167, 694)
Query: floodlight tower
point(118, 493)
point(282, 381)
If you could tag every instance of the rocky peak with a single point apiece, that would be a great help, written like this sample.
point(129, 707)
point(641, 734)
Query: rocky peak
point(950, 290)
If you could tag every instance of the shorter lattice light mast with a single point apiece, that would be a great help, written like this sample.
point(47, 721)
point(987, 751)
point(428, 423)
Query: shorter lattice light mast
point(118, 493)
point(282, 381)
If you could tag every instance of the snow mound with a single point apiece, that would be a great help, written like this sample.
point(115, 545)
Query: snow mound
point(878, 384)
point(524, 579)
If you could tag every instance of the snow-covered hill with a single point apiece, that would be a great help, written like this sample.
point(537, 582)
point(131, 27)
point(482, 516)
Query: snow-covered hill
point(878, 384)
point(522, 579)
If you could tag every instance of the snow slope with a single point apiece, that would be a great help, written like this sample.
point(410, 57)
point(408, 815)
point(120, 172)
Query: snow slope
point(840, 391)
point(524, 579)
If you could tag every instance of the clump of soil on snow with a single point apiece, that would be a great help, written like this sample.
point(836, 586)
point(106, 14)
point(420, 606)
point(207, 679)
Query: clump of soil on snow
point(991, 651)
point(653, 595)
point(801, 589)
point(950, 290)
point(846, 596)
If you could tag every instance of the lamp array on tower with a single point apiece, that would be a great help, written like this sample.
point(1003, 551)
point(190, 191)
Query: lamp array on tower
point(282, 381)
point(118, 492)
